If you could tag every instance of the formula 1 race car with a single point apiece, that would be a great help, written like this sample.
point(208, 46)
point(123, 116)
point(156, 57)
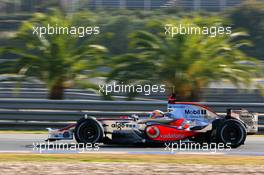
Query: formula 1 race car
point(183, 121)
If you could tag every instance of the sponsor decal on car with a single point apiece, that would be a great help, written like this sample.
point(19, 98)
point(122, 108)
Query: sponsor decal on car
point(122, 125)
point(172, 136)
point(152, 132)
point(195, 112)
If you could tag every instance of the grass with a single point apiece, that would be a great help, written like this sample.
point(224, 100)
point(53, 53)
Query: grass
point(136, 158)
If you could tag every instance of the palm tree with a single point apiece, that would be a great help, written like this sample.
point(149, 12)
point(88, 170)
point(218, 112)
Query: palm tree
point(58, 60)
point(185, 63)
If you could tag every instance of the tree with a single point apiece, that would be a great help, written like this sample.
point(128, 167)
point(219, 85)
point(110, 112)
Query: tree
point(186, 63)
point(58, 60)
point(250, 17)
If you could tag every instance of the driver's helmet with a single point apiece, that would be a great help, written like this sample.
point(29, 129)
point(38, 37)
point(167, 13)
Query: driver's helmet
point(156, 114)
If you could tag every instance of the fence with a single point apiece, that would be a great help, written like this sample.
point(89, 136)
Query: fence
point(72, 110)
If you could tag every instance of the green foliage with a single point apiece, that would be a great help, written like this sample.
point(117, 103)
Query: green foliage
point(250, 17)
point(58, 60)
point(138, 51)
point(185, 63)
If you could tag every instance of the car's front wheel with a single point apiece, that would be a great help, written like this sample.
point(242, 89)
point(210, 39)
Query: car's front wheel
point(88, 131)
point(232, 133)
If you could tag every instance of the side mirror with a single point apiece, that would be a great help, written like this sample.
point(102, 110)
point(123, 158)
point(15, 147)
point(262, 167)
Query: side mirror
point(135, 117)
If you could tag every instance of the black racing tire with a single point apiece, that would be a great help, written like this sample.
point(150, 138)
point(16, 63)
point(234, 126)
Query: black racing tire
point(232, 132)
point(88, 131)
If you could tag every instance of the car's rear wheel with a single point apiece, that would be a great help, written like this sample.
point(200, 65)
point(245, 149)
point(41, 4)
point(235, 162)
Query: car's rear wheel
point(232, 132)
point(88, 131)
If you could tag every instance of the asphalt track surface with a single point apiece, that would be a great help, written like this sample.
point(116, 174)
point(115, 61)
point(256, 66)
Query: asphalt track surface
point(30, 143)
